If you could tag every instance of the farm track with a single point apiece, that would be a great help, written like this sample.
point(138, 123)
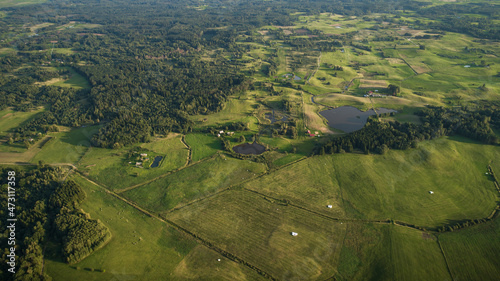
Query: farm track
point(445, 259)
point(164, 175)
point(190, 151)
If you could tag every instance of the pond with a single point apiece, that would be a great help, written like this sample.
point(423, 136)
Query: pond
point(156, 162)
point(349, 119)
point(249, 148)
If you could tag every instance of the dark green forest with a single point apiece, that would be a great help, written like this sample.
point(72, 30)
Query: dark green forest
point(47, 211)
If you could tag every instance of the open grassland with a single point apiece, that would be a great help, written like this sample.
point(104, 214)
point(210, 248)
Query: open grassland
point(396, 185)
point(67, 146)
point(203, 145)
point(75, 80)
point(11, 119)
point(473, 253)
point(259, 232)
point(237, 109)
point(310, 183)
point(194, 182)
point(112, 168)
point(364, 103)
point(393, 186)
point(142, 248)
point(312, 119)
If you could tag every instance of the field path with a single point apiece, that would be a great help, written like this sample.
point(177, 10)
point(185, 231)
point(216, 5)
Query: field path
point(314, 73)
point(186, 231)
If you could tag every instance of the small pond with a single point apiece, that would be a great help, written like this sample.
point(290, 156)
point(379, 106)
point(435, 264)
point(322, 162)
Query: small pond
point(156, 162)
point(349, 119)
point(249, 148)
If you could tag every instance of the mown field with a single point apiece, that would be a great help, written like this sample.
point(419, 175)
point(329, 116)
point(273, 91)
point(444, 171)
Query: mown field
point(393, 186)
point(67, 146)
point(142, 248)
point(259, 232)
point(194, 182)
point(203, 145)
point(473, 253)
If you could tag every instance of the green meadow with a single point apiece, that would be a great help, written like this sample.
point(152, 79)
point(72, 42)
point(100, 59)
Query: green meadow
point(259, 232)
point(194, 182)
point(473, 253)
point(203, 145)
point(142, 248)
point(116, 170)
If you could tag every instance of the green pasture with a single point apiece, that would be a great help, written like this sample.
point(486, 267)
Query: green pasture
point(473, 253)
point(11, 119)
point(311, 183)
point(259, 231)
point(75, 80)
point(112, 167)
point(194, 182)
point(393, 186)
point(67, 146)
point(237, 109)
point(396, 185)
point(203, 145)
point(142, 248)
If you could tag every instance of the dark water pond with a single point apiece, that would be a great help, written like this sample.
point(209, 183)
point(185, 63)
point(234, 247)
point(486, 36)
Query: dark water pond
point(249, 148)
point(348, 118)
point(156, 162)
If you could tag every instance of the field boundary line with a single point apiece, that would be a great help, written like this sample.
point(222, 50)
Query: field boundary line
point(445, 259)
point(190, 151)
point(118, 191)
point(202, 241)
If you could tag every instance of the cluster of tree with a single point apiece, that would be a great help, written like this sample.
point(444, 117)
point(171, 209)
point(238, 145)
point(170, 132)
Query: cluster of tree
point(40, 199)
point(379, 136)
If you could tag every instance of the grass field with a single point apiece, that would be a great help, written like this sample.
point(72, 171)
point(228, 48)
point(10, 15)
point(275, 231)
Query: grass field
point(310, 183)
point(393, 186)
point(473, 253)
point(203, 145)
point(142, 248)
point(75, 80)
point(112, 168)
point(10, 119)
point(397, 185)
point(178, 188)
point(237, 109)
point(260, 232)
point(66, 147)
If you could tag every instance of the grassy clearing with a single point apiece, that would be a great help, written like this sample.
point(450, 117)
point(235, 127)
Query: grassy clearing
point(312, 119)
point(66, 147)
point(237, 109)
point(11, 119)
point(473, 253)
point(259, 232)
point(112, 168)
point(203, 145)
point(142, 248)
point(75, 80)
point(209, 176)
point(397, 185)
